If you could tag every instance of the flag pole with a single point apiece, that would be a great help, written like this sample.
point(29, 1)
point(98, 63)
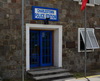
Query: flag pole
point(83, 7)
point(85, 24)
point(22, 40)
point(85, 56)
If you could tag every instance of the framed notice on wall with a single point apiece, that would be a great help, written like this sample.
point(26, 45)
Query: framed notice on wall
point(41, 13)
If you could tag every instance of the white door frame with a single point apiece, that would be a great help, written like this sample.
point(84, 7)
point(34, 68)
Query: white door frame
point(57, 42)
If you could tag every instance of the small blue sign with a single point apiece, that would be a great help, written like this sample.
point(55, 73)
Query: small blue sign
point(41, 13)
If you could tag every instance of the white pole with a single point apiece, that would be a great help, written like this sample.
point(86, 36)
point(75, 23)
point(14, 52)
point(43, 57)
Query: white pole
point(22, 40)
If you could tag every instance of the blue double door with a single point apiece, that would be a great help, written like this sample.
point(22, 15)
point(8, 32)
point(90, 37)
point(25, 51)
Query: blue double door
point(40, 48)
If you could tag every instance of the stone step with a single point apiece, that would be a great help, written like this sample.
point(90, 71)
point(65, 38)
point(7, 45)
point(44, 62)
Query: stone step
point(44, 72)
point(49, 74)
point(43, 68)
point(53, 76)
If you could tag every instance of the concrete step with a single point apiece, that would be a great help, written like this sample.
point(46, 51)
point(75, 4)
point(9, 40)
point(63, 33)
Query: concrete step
point(44, 72)
point(53, 76)
point(49, 74)
point(43, 68)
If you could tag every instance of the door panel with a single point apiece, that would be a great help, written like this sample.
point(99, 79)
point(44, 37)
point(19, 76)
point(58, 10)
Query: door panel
point(34, 49)
point(46, 48)
point(40, 48)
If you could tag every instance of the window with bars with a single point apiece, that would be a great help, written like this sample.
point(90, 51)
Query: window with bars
point(91, 41)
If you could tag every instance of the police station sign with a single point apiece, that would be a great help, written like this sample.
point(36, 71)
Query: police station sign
point(41, 13)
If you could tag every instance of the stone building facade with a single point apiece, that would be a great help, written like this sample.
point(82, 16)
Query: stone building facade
point(70, 17)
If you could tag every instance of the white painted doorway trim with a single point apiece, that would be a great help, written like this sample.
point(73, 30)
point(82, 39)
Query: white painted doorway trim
point(57, 42)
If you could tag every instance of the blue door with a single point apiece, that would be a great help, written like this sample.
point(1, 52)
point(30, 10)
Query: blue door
point(40, 48)
point(34, 48)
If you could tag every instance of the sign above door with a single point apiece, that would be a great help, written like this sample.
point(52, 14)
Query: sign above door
point(41, 13)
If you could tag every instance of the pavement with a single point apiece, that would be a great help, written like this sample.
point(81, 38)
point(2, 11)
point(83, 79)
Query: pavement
point(91, 78)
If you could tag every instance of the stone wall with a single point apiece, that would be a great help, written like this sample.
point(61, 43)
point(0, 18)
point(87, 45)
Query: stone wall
point(10, 38)
point(70, 17)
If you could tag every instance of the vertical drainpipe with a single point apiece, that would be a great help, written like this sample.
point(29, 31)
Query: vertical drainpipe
point(22, 40)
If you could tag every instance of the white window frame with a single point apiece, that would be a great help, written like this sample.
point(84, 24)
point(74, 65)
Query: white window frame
point(87, 40)
point(76, 0)
point(88, 4)
point(80, 33)
point(97, 2)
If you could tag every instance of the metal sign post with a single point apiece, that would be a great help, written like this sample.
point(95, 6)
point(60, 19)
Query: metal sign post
point(22, 40)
